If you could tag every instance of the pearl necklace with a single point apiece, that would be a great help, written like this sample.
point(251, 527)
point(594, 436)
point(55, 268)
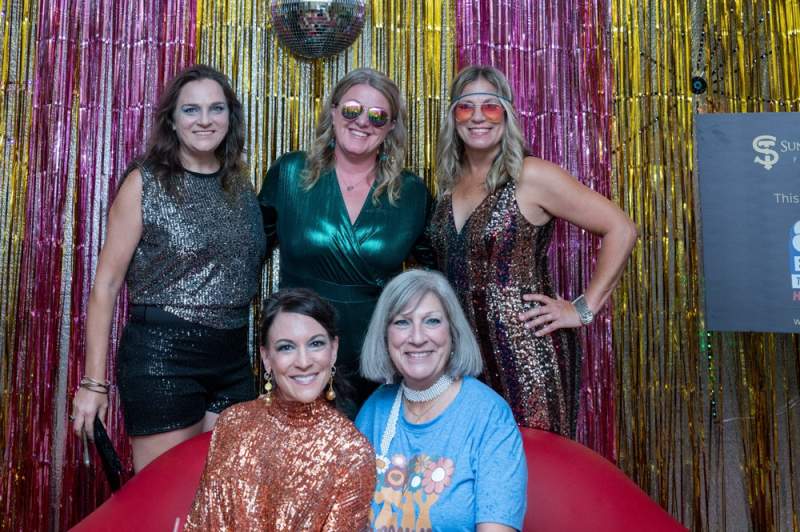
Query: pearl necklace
point(428, 394)
point(417, 396)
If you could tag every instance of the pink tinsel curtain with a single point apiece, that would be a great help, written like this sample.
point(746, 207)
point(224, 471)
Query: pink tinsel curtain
point(555, 54)
point(99, 67)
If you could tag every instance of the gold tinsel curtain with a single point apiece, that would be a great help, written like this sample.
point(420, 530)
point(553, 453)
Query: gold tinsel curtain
point(708, 422)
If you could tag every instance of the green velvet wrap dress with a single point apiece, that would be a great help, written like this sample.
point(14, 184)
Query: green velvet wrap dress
point(346, 263)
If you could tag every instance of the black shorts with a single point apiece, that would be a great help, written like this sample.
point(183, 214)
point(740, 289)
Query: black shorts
point(170, 371)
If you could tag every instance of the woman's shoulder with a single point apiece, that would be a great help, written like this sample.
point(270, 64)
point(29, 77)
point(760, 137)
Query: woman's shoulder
point(536, 170)
point(481, 396)
point(350, 437)
point(139, 168)
point(383, 395)
point(412, 186)
point(410, 179)
point(293, 160)
point(376, 408)
point(240, 414)
point(287, 170)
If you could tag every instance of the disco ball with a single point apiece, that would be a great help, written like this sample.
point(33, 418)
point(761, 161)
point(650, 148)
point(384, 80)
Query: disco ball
point(314, 29)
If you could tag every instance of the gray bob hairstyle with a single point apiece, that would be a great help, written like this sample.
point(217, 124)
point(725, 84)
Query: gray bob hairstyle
point(403, 292)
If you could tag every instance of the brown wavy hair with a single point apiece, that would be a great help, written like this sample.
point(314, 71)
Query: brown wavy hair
point(393, 151)
point(162, 157)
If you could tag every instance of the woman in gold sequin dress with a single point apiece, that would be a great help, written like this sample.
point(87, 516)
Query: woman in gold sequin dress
point(288, 460)
point(491, 230)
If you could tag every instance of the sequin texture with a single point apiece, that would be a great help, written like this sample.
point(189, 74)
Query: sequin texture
point(200, 254)
point(496, 258)
point(285, 466)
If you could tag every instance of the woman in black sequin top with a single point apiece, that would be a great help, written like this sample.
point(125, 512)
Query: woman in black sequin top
point(185, 232)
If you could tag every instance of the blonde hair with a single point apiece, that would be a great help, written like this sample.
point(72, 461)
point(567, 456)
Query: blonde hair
point(507, 165)
point(393, 151)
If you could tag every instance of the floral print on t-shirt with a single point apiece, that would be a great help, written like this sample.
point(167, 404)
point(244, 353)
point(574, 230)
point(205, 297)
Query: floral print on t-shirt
point(406, 491)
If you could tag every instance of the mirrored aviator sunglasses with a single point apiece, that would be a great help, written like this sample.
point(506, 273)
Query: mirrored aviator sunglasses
point(377, 116)
point(491, 111)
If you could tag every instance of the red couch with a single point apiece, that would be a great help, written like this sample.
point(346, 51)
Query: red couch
point(570, 488)
point(159, 497)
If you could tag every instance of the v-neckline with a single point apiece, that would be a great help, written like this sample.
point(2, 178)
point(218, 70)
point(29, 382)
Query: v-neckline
point(459, 232)
point(344, 202)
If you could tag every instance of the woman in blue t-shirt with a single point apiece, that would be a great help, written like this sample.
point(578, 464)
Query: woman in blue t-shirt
point(450, 455)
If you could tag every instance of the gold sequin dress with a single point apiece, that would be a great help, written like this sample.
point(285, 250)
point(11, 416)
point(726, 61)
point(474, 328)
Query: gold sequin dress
point(285, 466)
point(496, 258)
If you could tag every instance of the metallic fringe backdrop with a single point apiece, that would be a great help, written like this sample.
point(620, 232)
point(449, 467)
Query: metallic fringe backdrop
point(73, 121)
point(556, 57)
point(708, 422)
point(19, 35)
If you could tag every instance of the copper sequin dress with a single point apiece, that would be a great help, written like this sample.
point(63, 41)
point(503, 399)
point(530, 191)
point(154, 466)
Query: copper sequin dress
point(496, 258)
point(285, 466)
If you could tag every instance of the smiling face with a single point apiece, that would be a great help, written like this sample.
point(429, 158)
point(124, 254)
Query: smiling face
point(300, 354)
point(200, 119)
point(479, 133)
point(358, 138)
point(419, 342)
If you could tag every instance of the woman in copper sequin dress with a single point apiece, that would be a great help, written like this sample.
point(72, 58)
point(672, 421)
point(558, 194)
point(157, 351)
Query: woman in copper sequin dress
point(491, 230)
point(288, 460)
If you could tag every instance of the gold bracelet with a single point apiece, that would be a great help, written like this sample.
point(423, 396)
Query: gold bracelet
point(102, 391)
point(89, 380)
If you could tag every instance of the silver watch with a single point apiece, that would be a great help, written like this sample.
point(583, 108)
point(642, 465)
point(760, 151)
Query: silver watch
point(585, 314)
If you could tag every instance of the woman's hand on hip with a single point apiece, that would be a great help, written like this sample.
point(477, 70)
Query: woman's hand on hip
point(549, 315)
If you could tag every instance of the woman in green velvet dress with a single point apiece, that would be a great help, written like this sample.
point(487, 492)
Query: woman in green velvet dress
point(346, 214)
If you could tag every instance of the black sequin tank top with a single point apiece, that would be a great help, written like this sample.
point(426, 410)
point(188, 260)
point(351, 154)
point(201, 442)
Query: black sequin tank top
point(200, 253)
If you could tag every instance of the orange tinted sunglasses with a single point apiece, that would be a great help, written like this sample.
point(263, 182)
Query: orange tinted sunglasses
point(492, 111)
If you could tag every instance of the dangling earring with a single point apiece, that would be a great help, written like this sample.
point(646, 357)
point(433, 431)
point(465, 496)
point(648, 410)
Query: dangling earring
point(383, 157)
point(332, 143)
point(330, 395)
point(268, 389)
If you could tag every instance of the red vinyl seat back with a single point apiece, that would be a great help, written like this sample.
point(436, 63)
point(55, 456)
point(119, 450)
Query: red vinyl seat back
point(570, 488)
point(158, 497)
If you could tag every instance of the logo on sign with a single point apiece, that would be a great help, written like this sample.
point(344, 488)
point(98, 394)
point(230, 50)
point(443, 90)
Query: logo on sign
point(763, 144)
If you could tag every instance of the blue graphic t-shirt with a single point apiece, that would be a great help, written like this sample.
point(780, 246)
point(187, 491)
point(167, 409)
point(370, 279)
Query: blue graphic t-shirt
point(465, 467)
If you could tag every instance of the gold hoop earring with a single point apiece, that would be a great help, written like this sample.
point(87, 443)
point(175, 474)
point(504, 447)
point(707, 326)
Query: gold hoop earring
point(330, 395)
point(268, 389)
